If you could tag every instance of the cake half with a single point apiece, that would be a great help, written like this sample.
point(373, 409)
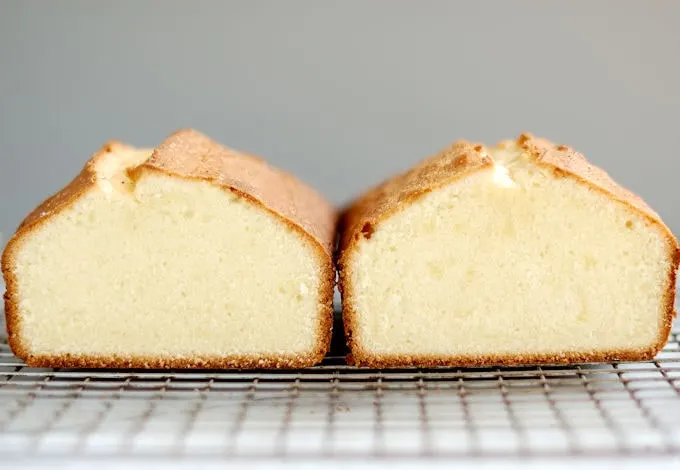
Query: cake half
point(523, 253)
point(190, 255)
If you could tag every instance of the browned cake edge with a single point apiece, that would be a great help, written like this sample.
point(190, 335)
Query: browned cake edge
point(86, 180)
point(462, 158)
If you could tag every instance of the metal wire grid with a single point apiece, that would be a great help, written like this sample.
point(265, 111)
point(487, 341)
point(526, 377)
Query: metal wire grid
point(341, 412)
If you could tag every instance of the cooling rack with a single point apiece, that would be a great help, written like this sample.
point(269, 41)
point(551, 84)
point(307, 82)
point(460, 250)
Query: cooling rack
point(338, 413)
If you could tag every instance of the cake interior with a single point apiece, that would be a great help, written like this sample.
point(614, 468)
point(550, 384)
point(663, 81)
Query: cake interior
point(166, 267)
point(509, 261)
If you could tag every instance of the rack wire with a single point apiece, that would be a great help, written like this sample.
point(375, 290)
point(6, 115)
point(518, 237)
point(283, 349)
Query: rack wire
point(334, 411)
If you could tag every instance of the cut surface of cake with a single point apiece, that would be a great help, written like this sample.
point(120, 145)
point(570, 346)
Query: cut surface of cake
point(518, 254)
point(190, 255)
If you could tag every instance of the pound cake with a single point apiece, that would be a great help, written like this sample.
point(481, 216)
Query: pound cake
point(522, 253)
point(191, 255)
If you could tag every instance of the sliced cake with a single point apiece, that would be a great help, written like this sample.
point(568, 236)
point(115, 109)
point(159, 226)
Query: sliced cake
point(191, 255)
point(522, 253)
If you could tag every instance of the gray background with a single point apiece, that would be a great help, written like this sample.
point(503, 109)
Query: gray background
point(342, 93)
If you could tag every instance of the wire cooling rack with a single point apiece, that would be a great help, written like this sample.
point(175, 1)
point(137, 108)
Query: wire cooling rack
point(342, 413)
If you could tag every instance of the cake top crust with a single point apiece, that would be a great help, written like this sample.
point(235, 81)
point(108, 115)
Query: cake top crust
point(190, 154)
point(463, 157)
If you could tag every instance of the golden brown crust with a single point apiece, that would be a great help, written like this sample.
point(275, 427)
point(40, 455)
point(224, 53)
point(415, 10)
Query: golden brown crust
point(191, 155)
point(400, 191)
point(565, 159)
point(84, 181)
point(505, 360)
point(451, 163)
